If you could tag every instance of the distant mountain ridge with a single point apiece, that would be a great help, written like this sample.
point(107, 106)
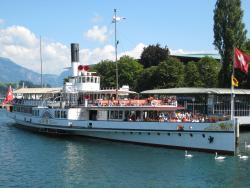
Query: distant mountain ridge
point(11, 72)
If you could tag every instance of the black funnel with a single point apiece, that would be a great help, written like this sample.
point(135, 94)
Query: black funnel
point(74, 52)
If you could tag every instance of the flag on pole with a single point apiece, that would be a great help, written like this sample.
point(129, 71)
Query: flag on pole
point(9, 96)
point(235, 82)
point(241, 61)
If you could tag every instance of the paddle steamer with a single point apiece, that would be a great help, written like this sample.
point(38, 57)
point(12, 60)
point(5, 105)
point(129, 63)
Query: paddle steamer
point(82, 108)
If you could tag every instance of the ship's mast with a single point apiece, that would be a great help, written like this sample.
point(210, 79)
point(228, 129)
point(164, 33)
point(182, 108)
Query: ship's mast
point(116, 63)
point(41, 61)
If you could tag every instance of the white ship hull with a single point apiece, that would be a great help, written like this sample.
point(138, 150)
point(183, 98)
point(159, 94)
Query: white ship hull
point(209, 137)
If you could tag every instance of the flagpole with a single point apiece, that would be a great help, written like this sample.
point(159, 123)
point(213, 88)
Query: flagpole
point(116, 71)
point(232, 89)
point(41, 61)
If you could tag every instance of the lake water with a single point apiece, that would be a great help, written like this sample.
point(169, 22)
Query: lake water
point(34, 160)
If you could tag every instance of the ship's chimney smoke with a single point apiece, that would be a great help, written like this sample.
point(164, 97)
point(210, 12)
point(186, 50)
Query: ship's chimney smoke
point(74, 52)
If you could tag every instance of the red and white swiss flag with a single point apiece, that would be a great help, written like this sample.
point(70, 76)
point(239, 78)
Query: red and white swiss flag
point(241, 60)
point(9, 96)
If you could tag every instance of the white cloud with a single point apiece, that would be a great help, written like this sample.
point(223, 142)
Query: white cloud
point(97, 33)
point(136, 52)
point(108, 53)
point(23, 47)
point(97, 54)
point(2, 21)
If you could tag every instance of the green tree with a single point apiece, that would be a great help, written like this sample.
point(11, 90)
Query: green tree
point(229, 32)
point(145, 80)
point(192, 75)
point(153, 55)
point(169, 74)
point(106, 70)
point(129, 70)
point(209, 70)
point(247, 47)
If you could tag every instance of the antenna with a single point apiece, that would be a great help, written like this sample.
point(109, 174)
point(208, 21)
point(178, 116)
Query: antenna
point(116, 63)
point(41, 61)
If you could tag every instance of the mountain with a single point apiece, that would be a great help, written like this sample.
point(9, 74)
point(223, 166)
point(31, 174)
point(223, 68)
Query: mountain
point(11, 72)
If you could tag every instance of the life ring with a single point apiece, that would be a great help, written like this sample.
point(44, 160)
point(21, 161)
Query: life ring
point(180, 128)
point(153, 103)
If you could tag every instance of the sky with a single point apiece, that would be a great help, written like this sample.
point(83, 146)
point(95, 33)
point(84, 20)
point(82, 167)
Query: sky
point(183, 26)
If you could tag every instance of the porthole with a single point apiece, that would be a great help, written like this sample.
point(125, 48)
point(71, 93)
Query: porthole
point(179, 134)
point(148, 133)
point(203, 135)
point(191, 134)
point(158, 133)
point(168, 134)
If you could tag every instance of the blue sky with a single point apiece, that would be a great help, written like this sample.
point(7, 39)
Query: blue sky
point(184, 26)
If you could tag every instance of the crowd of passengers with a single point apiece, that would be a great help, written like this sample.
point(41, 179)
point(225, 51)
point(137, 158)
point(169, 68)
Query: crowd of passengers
point(170, 100)
point(178, 117)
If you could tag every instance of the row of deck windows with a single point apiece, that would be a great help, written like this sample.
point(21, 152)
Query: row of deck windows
point(90, 79)
point(116, 114)
point(60, 114)
point(23, 109)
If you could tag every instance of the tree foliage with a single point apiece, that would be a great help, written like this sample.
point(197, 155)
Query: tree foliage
point(145, 80)
point(106, 70)
point(192, 75)
point(247, 47)
point(229, 32)
point(153, 55)
point(170, 74)
point(209, 70)
point(128, 69)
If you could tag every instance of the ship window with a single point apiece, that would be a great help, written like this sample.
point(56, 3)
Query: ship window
point(91, 79)
point(57, 114)
point(116, 114)
point(95, 80)
point(88, 79)
point(83, 79)
point(63, 114)
point(120, 114)
point(112, 114)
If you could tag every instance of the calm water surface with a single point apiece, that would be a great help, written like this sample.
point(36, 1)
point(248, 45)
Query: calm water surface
point(33, 160)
